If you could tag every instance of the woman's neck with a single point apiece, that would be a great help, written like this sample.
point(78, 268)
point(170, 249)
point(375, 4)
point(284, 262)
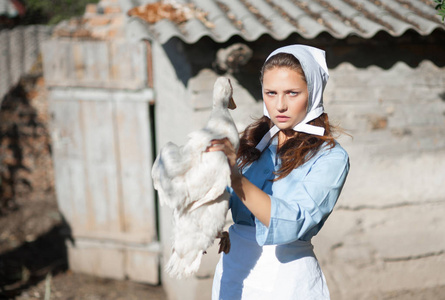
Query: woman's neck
point(283, 136)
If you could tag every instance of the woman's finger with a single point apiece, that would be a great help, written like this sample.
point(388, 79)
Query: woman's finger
point(215, 147)
point(219, 144)
point(220, 141)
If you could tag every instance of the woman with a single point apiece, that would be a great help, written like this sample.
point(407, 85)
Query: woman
point(286, 179)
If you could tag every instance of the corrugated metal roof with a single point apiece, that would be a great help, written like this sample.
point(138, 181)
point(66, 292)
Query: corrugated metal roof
point(251, 19)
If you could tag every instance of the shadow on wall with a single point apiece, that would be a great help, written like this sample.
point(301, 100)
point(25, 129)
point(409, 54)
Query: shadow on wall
point(25, 146)
point(382, 50)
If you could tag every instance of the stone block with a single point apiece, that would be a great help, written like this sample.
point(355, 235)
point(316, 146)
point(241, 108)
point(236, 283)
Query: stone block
point(400, 178)
point(102, 64)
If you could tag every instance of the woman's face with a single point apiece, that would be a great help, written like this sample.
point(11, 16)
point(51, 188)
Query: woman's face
point(286, 96)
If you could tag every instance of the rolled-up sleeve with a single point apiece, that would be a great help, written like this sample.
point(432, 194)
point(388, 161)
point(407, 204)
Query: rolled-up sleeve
point(301, 202)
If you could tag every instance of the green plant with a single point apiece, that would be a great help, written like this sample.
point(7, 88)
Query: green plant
point(440, 7)
point(53, 11)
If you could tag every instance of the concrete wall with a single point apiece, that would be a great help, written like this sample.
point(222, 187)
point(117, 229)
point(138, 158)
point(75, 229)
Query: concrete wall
point(386, 233)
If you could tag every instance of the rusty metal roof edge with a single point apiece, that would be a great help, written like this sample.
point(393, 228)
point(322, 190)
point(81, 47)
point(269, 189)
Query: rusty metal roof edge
point(165, 30)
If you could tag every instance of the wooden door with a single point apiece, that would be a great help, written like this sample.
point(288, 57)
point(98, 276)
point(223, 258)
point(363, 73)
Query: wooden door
point(102, 158)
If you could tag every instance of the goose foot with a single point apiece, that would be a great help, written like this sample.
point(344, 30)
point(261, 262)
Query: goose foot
point(224, 243)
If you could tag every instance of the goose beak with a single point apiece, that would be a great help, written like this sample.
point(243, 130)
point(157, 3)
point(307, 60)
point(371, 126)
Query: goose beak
point(232, 104)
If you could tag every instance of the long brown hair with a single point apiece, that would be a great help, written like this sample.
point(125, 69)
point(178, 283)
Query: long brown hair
point(299, 147)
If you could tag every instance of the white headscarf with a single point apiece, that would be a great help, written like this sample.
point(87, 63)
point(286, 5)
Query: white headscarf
point(314, 66)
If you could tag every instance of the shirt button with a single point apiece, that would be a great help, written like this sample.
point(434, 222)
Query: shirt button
point(266, 171)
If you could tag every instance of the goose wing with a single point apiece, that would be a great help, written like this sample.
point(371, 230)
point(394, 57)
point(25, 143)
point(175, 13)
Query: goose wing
point(168, 173)
point(209, 172)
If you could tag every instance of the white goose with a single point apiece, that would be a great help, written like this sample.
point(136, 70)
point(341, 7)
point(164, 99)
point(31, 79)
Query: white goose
point(193, 183)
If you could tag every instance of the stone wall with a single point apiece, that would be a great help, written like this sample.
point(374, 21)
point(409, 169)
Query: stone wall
point(386, 233)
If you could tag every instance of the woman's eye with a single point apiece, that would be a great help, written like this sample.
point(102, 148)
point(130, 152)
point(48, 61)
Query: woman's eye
point(293, 93)
point(271, 93)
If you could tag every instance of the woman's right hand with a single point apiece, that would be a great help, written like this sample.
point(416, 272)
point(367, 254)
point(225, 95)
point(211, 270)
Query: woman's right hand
point(226, 146)
point(257, 201)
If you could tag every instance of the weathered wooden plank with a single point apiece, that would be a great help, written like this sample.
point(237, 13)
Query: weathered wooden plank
point(128, 64)
point(94, 94)
point(69, 164)
point(112, 236)
point(91, 61)
point(104, 156)
point(135, 159)
point(102, 183)
point(104, 136)
point(102, 64)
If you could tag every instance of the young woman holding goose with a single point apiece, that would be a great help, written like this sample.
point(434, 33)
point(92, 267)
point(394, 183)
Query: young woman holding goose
point(286, 179)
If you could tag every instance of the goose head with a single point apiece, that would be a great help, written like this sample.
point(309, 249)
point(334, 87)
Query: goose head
point(222, 93)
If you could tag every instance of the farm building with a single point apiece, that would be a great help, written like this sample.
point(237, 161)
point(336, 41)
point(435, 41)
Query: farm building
point(134, 75)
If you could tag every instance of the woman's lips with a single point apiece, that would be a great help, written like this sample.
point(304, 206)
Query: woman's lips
point(282, 118)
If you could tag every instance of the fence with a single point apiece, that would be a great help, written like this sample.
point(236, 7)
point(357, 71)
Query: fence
point(19, 51)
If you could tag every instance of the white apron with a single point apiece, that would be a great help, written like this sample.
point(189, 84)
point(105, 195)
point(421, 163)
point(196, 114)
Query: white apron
point(289, 271)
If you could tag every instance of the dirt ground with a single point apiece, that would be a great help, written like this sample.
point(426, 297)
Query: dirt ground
point(33, 262)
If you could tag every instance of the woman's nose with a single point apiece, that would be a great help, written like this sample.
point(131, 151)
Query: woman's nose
point(281, 104)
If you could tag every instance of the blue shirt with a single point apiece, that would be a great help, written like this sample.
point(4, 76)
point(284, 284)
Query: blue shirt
point(300, 202)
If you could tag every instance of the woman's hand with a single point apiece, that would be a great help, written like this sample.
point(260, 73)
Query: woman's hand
point(226, 146)
point(257, 201)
